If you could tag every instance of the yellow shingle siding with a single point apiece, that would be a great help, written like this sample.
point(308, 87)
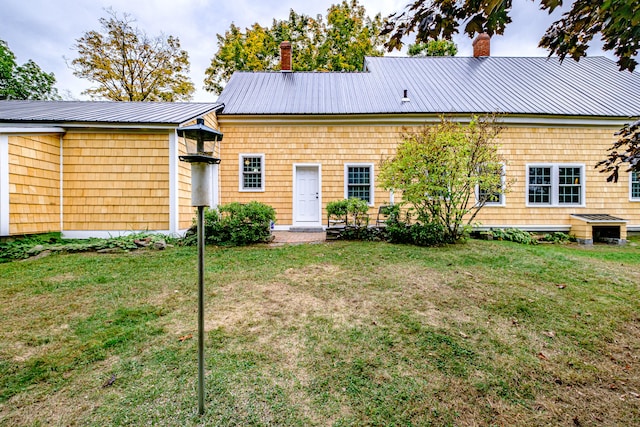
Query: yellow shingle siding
point(187, 212)
point(116, 181)
point(34, 184)
point(283, 146)
point(560, 145)
point(334, 145)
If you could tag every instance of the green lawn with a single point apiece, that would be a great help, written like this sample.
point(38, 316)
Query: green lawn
point(343, 333)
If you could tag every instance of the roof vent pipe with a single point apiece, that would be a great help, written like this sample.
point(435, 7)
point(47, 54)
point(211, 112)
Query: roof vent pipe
point(405, 96)
point(285, 57)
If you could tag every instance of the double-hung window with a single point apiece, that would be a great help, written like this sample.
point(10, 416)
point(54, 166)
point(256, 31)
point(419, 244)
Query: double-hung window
point(358, 182)
point(555, 185)
point(634, 186)
point(251, 172)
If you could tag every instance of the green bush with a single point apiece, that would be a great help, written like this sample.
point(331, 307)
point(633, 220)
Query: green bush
point(427, 234)
point(358, 211)
point(354, 211)
point(513, 235)
point(558, 237)
point(236, 224)
point(338, 208)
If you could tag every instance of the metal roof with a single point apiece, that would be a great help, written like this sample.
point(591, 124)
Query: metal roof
point(538, 86)
point(102, 112)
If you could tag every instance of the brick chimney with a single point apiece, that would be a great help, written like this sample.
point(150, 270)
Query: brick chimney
point(482, 45)
point(285, 57)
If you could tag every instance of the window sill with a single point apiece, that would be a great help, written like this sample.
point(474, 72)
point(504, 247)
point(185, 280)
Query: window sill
point(529, 205)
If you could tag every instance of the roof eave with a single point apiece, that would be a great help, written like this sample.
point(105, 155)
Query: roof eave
point(421, 118)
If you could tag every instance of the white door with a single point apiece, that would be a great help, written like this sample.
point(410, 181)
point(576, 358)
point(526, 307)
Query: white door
point(306, 203)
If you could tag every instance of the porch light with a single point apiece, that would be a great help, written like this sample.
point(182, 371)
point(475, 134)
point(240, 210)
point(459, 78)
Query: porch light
point(200, 141)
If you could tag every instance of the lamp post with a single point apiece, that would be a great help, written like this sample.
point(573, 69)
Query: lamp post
point(200, 141)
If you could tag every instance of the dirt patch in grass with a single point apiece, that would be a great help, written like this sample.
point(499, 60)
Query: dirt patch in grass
point(68, 406)
point(60, 278)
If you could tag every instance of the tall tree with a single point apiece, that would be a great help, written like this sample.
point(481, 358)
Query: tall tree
point(239, 51)
point(26, 81)
point(616, 21)
point(128, 65)
point(438, 47)
point(339, 43)
point(350, 35)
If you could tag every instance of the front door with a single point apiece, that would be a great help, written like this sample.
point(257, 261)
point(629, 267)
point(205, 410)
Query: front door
point(306, 198)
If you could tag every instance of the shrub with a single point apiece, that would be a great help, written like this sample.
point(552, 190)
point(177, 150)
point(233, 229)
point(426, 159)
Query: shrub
point(558, 237)
point(358, 211)
point(337, 208)
point(420, 234)
point(236, 224)
point(438, 168)
point(513, 235)
point(354, 211)
point(429, 234)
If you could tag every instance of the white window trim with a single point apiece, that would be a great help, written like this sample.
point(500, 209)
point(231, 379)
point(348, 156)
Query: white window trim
point(555, 185)
point(241, 158)
point(503, 189)
point(631, 198)
point(371, 183)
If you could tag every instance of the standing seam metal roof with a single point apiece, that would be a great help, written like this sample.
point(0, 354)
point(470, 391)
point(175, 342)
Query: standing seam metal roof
point(539, 86)
point(60, 112)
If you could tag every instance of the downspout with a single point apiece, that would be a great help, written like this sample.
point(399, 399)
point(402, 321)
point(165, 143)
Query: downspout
point(61, 185)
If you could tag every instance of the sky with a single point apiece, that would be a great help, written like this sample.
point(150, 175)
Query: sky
point(46, 30)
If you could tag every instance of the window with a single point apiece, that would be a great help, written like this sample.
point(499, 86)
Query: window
point(359, 182)
point(555, 185)
point(251, 172)
point(634, 186)
point(493, 196)
point(539, 185)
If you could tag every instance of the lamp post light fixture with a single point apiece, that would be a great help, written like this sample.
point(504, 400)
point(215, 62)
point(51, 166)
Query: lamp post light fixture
point(200, 141)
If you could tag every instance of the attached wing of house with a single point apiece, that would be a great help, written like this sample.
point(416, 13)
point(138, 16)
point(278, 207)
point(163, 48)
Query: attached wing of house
point(296, 140)
point(95, 169)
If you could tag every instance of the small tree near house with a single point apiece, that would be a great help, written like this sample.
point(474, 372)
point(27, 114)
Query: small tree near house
point(447, 172)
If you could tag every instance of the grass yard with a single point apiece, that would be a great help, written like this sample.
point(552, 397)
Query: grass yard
point(341, 334)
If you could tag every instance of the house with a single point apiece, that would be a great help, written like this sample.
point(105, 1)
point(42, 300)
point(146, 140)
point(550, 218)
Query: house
point(296, 140)
point(95, 169)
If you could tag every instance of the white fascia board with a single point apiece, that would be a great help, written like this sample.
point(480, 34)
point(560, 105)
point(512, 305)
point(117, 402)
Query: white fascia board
point(416, 119)
point(30, 130)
